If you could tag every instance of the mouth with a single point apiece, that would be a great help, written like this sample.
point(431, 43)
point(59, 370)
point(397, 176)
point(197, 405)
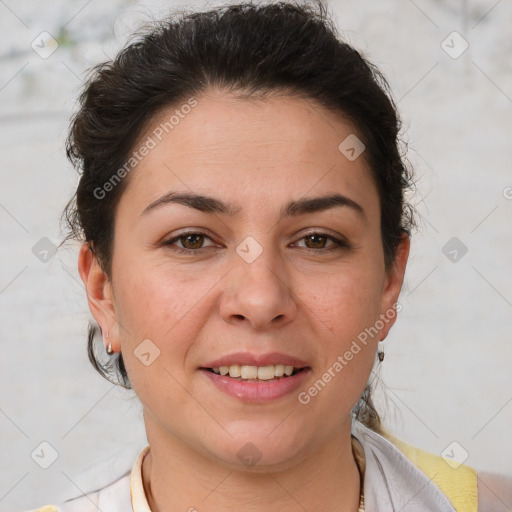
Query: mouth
point(256, 378)
point(269, 373)
point(256, 384)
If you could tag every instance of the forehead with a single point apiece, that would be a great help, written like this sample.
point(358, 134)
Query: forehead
point(223, 124)
point(269, 147)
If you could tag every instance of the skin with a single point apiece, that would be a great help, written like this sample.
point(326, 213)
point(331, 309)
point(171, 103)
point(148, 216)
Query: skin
point(296, 297)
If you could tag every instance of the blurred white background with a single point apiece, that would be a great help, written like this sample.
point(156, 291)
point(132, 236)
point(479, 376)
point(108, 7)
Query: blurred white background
point(447, 367)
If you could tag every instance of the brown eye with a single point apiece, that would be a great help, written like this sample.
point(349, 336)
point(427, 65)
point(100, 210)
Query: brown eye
point(189, 243)
point(318, 241)
point(193, 241)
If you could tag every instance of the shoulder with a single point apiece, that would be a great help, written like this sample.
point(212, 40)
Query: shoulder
point(110, 498)
point(46, 508)
point(104, 487)
point(494, 492)
point(465, 486)
point(86, 503)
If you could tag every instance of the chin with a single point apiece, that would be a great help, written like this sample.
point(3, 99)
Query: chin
point(259, 452)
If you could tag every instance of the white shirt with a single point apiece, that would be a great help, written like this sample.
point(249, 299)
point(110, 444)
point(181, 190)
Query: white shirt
point(391, 484)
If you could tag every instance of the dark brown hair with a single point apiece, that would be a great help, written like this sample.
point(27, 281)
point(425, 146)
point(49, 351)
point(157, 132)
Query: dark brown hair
point(249, 50)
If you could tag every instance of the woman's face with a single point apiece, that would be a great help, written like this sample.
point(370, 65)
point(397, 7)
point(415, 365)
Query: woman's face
point(256, 281)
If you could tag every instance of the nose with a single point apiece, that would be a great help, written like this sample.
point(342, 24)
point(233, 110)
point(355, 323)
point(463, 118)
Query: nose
point(258, 293)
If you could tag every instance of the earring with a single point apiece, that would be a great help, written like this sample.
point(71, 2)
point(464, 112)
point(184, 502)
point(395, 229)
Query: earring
point(380, 351)
point(109, 346)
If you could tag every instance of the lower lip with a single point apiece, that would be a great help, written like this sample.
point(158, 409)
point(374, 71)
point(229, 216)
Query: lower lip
point(257, 392)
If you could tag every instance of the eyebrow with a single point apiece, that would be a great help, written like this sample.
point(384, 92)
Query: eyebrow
point(293, 208)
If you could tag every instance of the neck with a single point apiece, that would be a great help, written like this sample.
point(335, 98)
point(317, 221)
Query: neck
point(177, 477)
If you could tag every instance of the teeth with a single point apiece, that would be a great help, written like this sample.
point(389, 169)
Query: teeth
point(279, 370)
point(255, 372)
point(249, 372)
point(265, 372)
point(235, 370)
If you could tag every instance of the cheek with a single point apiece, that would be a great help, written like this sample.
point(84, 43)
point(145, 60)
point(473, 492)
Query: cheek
point(346, 302)
point(160, 316)
point(158, 303)
point(153, 297)
point(346, 313)
point(347, 350)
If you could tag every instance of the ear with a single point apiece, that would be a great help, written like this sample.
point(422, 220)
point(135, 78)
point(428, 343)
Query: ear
point(99, 294)
point(392, 286)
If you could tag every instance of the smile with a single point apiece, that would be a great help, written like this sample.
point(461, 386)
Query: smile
point(245, 372)
point(246, 385)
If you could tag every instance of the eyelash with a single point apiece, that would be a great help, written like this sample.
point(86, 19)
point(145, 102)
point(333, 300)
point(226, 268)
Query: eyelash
point(338, 244)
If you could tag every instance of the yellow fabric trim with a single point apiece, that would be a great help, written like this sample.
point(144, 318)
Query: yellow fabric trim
point(47, 508)
point(458, 484)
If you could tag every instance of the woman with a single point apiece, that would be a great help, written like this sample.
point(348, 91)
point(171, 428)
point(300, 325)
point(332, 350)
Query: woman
point(245, 237)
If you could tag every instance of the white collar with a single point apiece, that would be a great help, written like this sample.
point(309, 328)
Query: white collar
point(137, 493)
point(392, 483)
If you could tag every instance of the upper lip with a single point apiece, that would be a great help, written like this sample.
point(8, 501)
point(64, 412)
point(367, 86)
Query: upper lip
point(247, 359)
